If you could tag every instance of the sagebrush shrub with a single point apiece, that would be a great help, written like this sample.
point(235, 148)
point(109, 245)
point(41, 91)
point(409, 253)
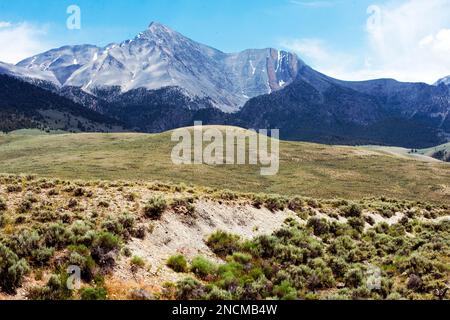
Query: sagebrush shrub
point(137, 262)
point(285, 291)
point(202, 267)
point(178, 263)
point(155, 207)
point(25, 206)
point(106, 241)
point(55, 289)
point(3, 205)
point(352, 211)
point(79, 192)
point(25, 242)
point(190, 289)
point(56, 235)
point(2, 220)
point(222, 243)
point(354, 278)
point(12, 270)
point(295, 204)
point(98, 293)
point(14, 188)
point(357, 223)
point(80, 255)
point(257, 200)
point(242, 258)
point(276, 203)
point(319, 225)
point(217, 294)
point(42, 256)
point(183, 205)
point(127, 221)
point(227, 195)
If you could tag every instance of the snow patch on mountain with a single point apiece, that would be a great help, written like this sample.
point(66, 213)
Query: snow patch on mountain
point(28, 75)
point(445, 81)
point(161, 57)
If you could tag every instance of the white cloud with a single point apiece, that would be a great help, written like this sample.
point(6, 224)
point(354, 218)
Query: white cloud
point(313, 4)
point(319, 55)
point(21, 40)
point(5, 24)
point(408, 40)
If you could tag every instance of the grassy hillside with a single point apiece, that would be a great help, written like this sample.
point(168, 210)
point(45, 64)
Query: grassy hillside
point(441, 152)
point(314, 170)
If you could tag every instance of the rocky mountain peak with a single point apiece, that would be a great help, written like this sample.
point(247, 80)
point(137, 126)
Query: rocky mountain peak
point(445, 81)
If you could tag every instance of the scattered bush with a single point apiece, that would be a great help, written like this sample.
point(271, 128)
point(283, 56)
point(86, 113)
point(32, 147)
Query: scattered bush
point(12, 270)
point(56, 289)
point(285, 291)
point(98, 293)
point(14, 188)
point(42, 256)
point(217, 294)
point(227, 195)
point(354, 278)
point(155, 207)
point(222, 243)
point(352, 211)
point(257, 200)
point(137, 262)
point(3, 205)
point(24, 206)
point(107, 241)
point(320, 226)
point(296, 204)
point(357, 224)
point(178, 263)
point(131, 197)
point(139, 232)
point(55, 235)
point(72, 203)
point(2, 220)
point(275, 203)
point(202, 267)
point(80, 256)
point(183, 206)
point(415, 283)
point(190, 289)
point(79, 192)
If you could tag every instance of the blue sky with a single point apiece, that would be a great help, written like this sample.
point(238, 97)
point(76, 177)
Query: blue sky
point(331, 35)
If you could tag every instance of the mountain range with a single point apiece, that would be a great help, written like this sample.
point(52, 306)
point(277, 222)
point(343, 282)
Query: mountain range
point(162, 80)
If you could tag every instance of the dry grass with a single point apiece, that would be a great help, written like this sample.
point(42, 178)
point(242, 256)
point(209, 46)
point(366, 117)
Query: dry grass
point(306, 169)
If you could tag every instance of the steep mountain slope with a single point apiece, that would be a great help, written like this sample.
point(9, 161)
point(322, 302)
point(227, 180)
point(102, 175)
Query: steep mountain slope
point(445, 81)
point(160, 57)
point(162, 80)
point(161, 110)
point(322, 109)
point(23, 105)
point(38, 77)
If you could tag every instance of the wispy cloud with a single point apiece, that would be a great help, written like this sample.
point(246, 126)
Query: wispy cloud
point(320, 55)
point(313, 4)
point(21, 40)
point(5, 24)
point(408, 40)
